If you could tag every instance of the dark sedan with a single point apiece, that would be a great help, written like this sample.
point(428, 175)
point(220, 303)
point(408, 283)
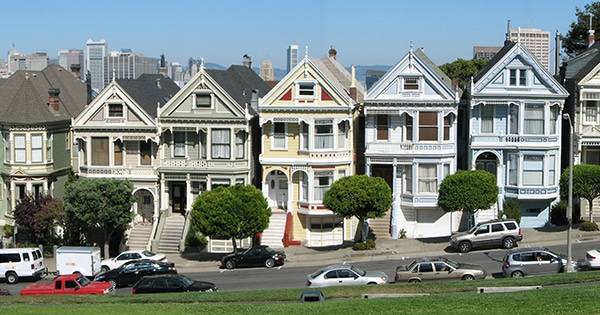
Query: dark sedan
point(171, 283)
point(131, 272)
point(256, 256)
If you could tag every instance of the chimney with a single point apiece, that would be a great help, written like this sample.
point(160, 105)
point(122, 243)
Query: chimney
point(88, 86)
point(247, 61)
point(353, 91)
point(507, 37)
point(53, 100)
point(76, 70)
point(557, 49)
point(332, 52)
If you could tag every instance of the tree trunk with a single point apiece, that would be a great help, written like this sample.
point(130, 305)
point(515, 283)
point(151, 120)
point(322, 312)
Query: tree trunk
point(107, 245)
point(591, 202)
point(365, 230)
point(234, 245)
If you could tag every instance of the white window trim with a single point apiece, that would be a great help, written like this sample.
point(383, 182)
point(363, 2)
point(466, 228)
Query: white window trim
point(544, 119)
point(42, 147)
point(173, 145)
point(518, 69)
point(481, 119)
point(203, 92)
point(584, 120)
point(389, 123)
point(418, 178)
point(272, 135)
point(333, 135)
point(107, 111)
point(419, 82)
point(14, 151)
point(305, 97)
point(139, 155)
point(522, 169)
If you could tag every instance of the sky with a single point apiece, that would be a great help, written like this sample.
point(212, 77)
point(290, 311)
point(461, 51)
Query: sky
point(367, 32)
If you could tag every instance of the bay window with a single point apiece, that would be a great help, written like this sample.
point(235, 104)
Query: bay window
point(322, 182)
point(447, 126)
point(408, 183)
point(304, 136)
point(20, 156)
point(533, 170)
point(49, 139)
point(487, 118)
point(240, 140)
point(552, 170)
point(534, 119)
point(428, 126)
point(220, 143)
point(513, 122)
point(36, 148)
point(303, 187)
point(554, 116)
point(342, 134)
point(118, 152)
point(99, 151)
point(427, 178)
point(279, 139)
point(513, 169)
point(382, 127)
point(179, 144)
point(145, 153)
point(323, 134)
point(446, 170)
point(202, 140)
point(6, 147)
point(409, 127)
point(591, 111)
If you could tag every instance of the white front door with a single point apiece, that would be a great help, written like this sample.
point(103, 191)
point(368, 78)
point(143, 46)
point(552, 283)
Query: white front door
point(278, 189)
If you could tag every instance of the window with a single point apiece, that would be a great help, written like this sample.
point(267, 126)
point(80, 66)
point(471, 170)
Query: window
point(554, 116)
point(513, 77)
point(5, 258)
point(6, 147)
point(70, 284)
point(118, 152)
point(552, 170)
point(323, 134)
point(306, 89)
point(487, 118)
point(341, 174)
point(484, 229)
point(425, 267)
point(37, 190)
point(513, 123)
point(304, 186)
point(382, 127)
point(322, 182)
point(115, 110)
point(20, 148)
point(591, 111)
point(279, 139)
point(408, 185)
point(145, 153)
point(497, 227)
point(240, 140)
point(25, 257)
point(304, 136)
point(428, 178)
point(20, 191)
point(533, 170)
point(58, 285)
point(510, 226)
point(36, 148)
point(345, 273)
point(331, 274)
point(534, 119)
point(409, 128)
point(179, 144)
point(522, 77)
point(203, 100)
point(202, 144)
point(411, 84)
point(447, 124)
point(220, 139)
point(49, 138)
point(441, 267)
point(513, 169)
point(342, 134)
point(428, 126)
point(99, 151)
point(446, 170)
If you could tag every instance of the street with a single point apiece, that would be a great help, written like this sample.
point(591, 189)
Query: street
point(295, 277)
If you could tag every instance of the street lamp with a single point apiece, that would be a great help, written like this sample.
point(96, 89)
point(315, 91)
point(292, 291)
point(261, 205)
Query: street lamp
point(570, 206)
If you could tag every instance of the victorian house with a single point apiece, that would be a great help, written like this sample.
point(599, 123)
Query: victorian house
point(36, 108)
point(117, 137)
point(410, 141)
point(307, 123)
point(205, 133)
point(515, 122)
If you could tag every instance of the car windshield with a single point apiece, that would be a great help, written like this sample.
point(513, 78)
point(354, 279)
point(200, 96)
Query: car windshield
point(473, 229)
point(359, 271)
point(83, 281)
point(188, 282)
point(317, 273)
point(148, 253)
point(269, 250)
point(452, 263)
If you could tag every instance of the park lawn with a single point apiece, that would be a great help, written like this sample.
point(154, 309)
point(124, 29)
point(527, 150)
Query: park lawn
point(569, 299)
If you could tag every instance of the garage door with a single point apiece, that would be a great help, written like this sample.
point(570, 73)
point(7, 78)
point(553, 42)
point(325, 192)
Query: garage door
point(325, 232)
point(432, 223)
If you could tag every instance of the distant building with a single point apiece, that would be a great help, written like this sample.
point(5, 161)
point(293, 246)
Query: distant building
point(373, 76)
point(126, 64)
point(266, 70)
point(72, 60)
point(37, 61)
point(3, 69)
point(94, 62)
point(16, 61)
point(292, 57)
point(485, 52)
point(175, 72)
point(535, 40)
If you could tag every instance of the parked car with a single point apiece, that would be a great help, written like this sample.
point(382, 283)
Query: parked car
point(532, 261)
point(256, 256)
point(438, 268)
point(592, 259)
point(19, 263)
point(171, 283)
point(343, 275)
point(69, 284)
point(130, 255)
point(75, 259)
point(497, 233)
point(131, 272)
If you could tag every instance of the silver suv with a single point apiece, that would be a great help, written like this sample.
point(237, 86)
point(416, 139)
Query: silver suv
point(504, 233)
point(532, 261)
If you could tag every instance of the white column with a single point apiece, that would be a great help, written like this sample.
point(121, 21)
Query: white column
point(45, 187)
point(88, 151)
point(311, 135)
point(208, 148)
point(368, 168)
point(311, 185)
point(111, 150)
point(335, 133)
point(395, 204)
point(189, 198)
point(12, 197)
point(440, 125)
point(290, 194)
point(232, 144)
point(415, 127)
point(155, 214)
point(164, 195)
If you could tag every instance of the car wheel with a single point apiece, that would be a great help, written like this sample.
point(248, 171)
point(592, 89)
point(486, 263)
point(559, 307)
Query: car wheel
point(229, 264)
point(371, 283)
point(113, 283)
point(464, 247)
point(517, 274)
point(104, 269)
point(414, 281)
point(11, 277)
point(508, 243)
point(270, 263)
point(468, 277)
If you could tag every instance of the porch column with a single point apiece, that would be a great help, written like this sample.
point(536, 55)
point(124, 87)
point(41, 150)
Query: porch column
point(232, 144)
point(395, 204)
point(290, 194)
point(188, 191)
point(335, 133)
point(157, 199)
point(368, 168)
point(208, 144)
point(111, 151)
point(88, 151)
point(164, 195)
point(265, 188)
point(501, 179)
point(311, 186)
point(12, 197)
point(45, 187)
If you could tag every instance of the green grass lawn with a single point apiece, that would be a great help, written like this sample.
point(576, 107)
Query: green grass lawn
point(577, 293)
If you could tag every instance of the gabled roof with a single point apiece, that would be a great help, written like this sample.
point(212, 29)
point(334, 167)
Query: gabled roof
point(431, 65)
point(24, 96)
point(150, 91)
point(499, 55)
point(578, 67)
point(336, 72)
point(239, 82)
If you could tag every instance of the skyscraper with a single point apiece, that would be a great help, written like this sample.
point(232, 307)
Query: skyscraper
point(94, 62)
point(266, 70)
point(16, 61)
point(37, 61)
point(126, 64)
point(292, 57)
point(71, 59)
point(535, 40)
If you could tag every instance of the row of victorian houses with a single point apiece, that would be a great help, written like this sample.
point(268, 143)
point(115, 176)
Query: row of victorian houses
point(295, 137)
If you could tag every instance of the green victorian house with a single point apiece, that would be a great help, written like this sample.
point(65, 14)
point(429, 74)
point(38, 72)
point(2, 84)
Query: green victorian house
point(36, 108)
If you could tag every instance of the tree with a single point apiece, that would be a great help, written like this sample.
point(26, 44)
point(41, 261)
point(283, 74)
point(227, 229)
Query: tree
point(468, 191)
point(235, 213)
point(101, 204)
point(462, 70)
point(586, 184)
point(40, 217)
point(575, 41)
point(359, 196)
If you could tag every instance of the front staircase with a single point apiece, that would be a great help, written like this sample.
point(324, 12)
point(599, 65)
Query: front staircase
point(380, 227)
point(273, 235)
point(172, 234)
point(139, 236)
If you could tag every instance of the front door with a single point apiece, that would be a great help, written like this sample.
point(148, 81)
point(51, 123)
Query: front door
point(278, 189)
point(178, 197)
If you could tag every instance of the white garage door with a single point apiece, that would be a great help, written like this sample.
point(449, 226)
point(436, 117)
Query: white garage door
point(327, 231)
point(432, 223)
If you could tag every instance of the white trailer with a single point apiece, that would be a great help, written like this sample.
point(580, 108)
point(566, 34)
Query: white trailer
point(84, 260)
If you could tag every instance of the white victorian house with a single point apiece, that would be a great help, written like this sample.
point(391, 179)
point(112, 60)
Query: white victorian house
point(410, 141)
point(514, 126)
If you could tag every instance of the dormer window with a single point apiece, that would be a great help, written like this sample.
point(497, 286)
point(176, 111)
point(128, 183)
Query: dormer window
point(517, 77)
point(203, 100)
point(115, 110)
point(411, 84)
point(306, 89)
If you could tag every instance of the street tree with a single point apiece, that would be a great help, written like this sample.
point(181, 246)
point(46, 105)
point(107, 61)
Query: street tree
point(462, 70)
point(575, 41)
point(40, 217)
point(100, 204)
point(468, 191)
point(234, 213)
point(586, 184)
point(359, 196)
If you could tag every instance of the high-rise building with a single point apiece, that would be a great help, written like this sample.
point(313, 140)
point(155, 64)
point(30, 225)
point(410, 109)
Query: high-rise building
point(485, 52)
point(37, 61)
point(16, 61)
point(292, 57)
point(71, 60)
point(176, 73)
point(3, 69)
point(535, 40)
point(95, 51)
point(266, 70)
point(126, 64)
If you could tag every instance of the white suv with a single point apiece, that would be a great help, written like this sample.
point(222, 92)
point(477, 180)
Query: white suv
point(17, 263)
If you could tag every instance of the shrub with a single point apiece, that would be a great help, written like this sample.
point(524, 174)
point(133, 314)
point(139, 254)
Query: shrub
point(366, 245)
point(512, 210)
point(8, 231)
point(558, 214)
point(589, 226)
point(402, 233)
point(195, 239)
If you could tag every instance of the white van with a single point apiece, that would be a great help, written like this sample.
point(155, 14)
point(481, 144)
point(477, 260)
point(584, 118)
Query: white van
point(74, 259)
point(17, 263)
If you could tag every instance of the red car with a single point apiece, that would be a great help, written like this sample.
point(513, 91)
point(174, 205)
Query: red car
point(69, 284)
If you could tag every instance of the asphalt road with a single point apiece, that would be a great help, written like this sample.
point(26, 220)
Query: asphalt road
point(295, 277)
